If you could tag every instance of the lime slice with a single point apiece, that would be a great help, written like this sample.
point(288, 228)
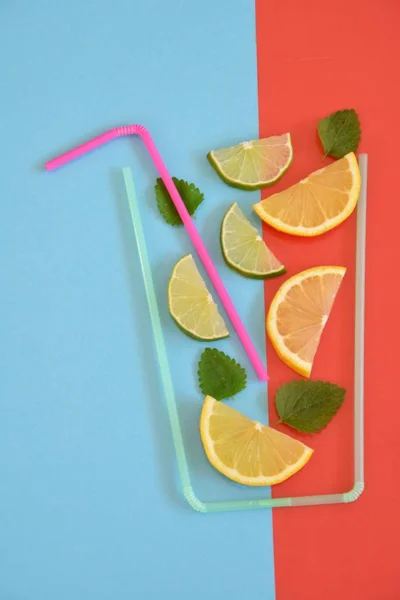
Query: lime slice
point(253, 165)
point(244, 249)
point(191, 304)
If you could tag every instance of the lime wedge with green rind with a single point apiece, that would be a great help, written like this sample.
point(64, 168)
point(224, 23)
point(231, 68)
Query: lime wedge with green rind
point(255, 164)
point(244, 249)
point(191, 304)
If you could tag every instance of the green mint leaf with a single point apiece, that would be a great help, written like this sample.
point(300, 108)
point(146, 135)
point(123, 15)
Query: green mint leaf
point(190, 194)
point(340, 133)
point(220, 376)
point(308, 406)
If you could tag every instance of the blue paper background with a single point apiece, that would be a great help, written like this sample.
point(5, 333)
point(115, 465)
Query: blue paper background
point(90, 505)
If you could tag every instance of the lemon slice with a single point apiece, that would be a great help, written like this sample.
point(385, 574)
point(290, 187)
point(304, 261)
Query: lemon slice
point(191, 304)
point(255, 164)
point(316, 204)
point(298, 315)
point(247, 451)
point(244, 249)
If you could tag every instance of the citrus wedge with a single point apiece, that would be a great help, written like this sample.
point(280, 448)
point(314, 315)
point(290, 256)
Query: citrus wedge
point(255, 164)
point(317, 203)
point(247, 451)
point(244, 249)
point(191, 304)
point(298, 314)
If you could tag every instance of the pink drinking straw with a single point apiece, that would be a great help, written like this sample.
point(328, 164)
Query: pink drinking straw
point(186, 219)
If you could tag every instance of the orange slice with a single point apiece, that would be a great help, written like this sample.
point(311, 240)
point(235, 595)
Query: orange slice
point(317, 203)
point(247, 451)
point(298, 315)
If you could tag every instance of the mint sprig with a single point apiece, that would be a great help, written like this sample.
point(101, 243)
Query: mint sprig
point(340, 133)
point(308, 406)
point(190, 194)
point(220, 376)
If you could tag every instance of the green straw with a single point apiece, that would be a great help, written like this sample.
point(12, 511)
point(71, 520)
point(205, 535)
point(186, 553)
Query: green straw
point(173, 414)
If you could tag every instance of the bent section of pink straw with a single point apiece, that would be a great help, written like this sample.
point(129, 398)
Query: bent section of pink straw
point(186, 219)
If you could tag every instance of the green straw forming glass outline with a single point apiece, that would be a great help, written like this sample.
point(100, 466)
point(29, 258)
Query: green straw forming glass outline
point(188, 492)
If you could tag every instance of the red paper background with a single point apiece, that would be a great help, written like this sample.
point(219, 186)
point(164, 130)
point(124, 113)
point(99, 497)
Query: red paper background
point(315, 58)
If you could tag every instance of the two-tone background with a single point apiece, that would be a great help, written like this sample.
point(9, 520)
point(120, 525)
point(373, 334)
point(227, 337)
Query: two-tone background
point(90, 505)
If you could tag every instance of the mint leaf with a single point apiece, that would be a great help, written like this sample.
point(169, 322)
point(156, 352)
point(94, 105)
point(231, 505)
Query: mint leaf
point(308, 406)
point(190, 194)
point(340, 133)
point(220, 376)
